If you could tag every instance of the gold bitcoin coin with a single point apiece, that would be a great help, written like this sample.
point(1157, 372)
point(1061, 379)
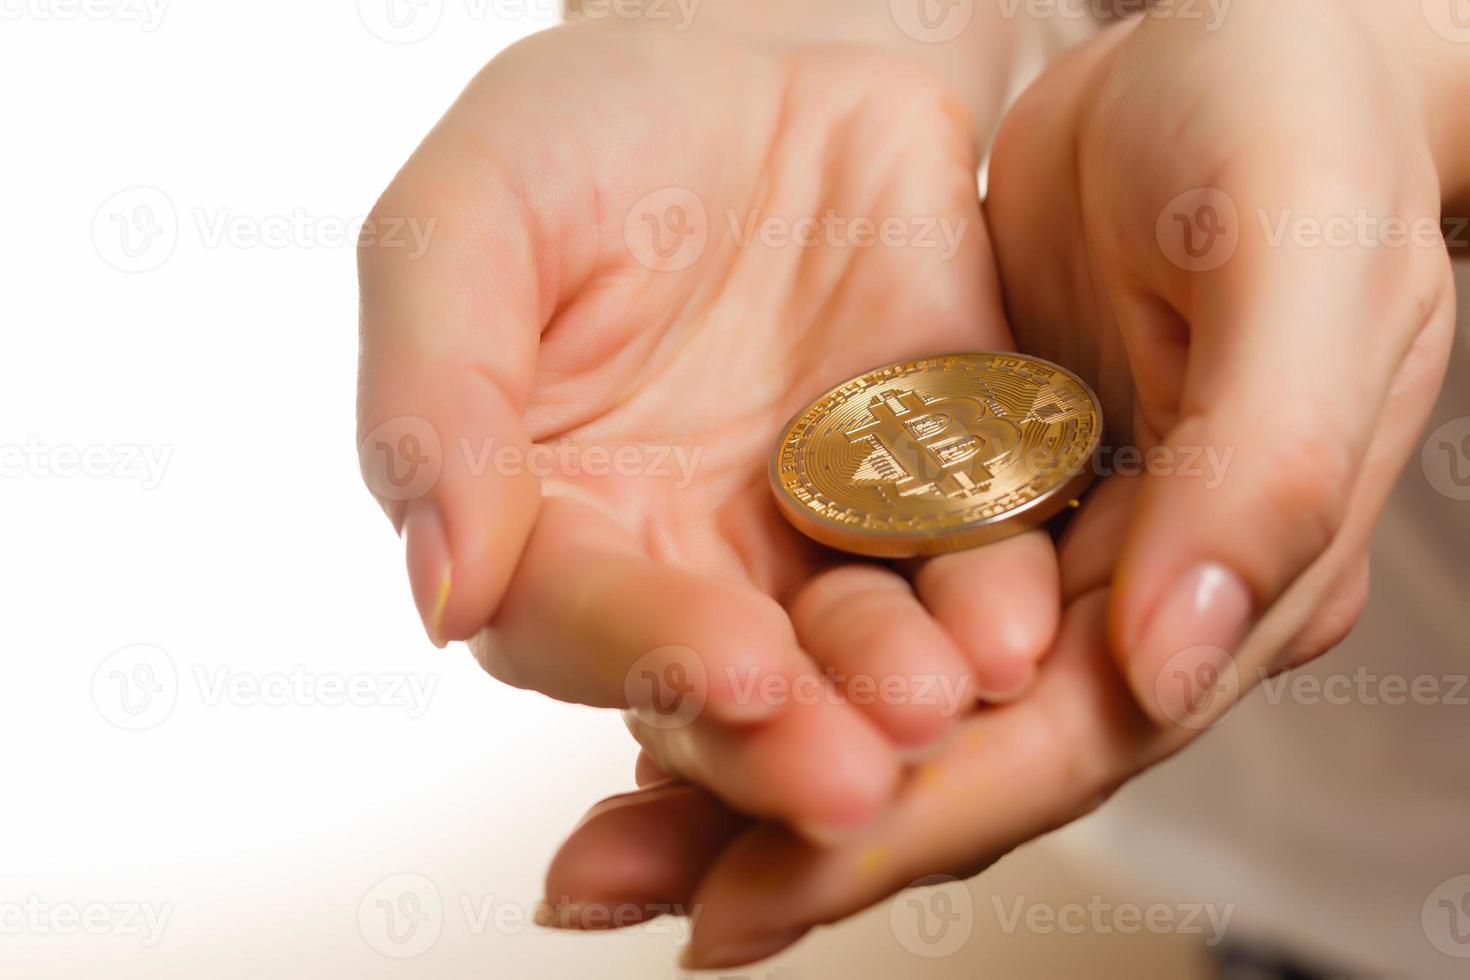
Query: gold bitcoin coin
point(937, 455)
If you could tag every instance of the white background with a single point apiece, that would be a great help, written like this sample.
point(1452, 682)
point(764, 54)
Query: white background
point(257, 554)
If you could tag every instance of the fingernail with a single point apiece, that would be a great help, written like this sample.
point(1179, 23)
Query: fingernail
point(732, 953)
point(739, 695)
point(1006, 680)
point(596, 916)
point(1189, 646)
point(566, 916)
point(430, 570)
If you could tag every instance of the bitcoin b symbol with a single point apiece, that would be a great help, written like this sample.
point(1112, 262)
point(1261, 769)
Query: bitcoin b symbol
point(946, 446)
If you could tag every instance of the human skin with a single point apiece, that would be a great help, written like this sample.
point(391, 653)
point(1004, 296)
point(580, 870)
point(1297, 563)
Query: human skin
point(1316, 362)
point(538, 316)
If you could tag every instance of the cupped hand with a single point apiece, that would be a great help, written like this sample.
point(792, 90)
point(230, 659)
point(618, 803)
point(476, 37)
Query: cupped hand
point(1235, 233)
point(1158, 200)
point(1005, 775)
point(648, 251)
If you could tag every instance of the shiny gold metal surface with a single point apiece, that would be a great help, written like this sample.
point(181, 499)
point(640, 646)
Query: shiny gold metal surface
point(937, 455)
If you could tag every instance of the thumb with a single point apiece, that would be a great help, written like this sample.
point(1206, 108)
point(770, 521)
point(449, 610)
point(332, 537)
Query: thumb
point(1291, 353)
point(449, 335)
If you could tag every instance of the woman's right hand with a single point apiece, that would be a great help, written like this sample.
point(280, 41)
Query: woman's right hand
point(611, 276)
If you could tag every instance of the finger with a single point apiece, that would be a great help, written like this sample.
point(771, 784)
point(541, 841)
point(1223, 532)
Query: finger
point(646, 772)
point(821, 767)
point(1087, 551)
point(635, 857)
point(1006, 775)
point(591, 620)
point(1090, 546)
point(1325, 603)
point(1333, 617)
point(450, 328)
point(884, 651)
point(709, 665)
point(1034, 211)
point(1291, 352)
point(1000, 604)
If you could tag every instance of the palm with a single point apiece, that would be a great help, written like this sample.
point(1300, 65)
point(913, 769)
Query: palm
point(706, 324)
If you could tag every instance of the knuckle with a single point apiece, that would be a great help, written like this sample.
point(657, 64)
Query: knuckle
point(1306, 480)
point(1335, 619)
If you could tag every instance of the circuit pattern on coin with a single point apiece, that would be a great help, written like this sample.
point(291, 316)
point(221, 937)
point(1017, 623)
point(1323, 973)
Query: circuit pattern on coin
point(938, 454)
